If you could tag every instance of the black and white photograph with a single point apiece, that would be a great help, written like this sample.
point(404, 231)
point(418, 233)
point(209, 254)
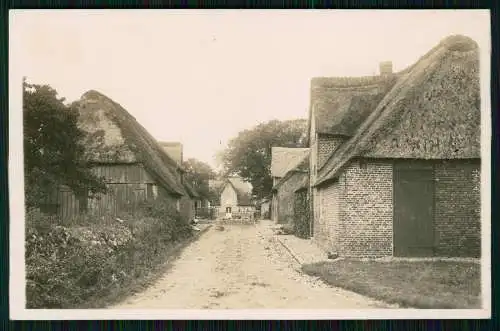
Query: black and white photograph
point(243, 164)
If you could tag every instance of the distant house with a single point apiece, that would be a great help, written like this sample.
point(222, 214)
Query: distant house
point(395, 158)
point(236, 197)
point(284, 190)
point(132, 163)
point(283, 159)
point(215, 188)
point(192, 200)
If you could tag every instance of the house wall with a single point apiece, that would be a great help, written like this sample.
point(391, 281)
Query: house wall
point(322, 147)
point(368, 210)
point(357, 211)
point(326, 146)
point(301, 214)
point(357, 220)
point(328, 225)
point(286, 198)
point(457, 209)
point(128, 185)
point(228, 197)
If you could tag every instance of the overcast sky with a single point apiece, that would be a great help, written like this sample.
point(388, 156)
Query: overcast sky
point(200, 77)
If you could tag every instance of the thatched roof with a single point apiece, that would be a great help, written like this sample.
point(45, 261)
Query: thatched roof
point(191, 191)
point(340, 105)
point(301, 167)
point(125, 140)
point(283, 159)
point(432, 112)
point(243, 190)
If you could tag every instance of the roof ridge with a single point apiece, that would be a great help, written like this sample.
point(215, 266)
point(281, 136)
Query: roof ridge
point(454, 43)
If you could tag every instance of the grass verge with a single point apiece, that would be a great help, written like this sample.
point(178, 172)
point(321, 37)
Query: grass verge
point(415, 284)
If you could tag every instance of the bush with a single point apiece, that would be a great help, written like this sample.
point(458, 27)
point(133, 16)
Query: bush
point(73, 266)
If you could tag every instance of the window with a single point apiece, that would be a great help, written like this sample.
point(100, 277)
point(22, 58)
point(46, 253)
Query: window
point(178, 205)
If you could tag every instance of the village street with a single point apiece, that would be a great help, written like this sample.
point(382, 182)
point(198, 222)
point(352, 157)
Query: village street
point(242, 267)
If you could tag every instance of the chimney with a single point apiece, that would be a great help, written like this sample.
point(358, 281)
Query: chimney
point(174, 150)
point(385, 68)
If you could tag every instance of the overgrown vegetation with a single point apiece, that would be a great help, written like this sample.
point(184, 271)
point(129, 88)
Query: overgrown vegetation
point(416, 284)
point(91, 265)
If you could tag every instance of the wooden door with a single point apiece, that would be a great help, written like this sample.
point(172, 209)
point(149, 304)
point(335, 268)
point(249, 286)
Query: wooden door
point(413, 210)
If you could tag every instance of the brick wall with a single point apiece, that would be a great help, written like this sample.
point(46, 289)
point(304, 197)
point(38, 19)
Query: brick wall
point(286, 198)
point(329, 227)
point(367, 211)
point(457, 213)
point(326, 146)
point(321, 150)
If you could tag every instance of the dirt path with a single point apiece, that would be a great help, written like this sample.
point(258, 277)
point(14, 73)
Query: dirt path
point(242, 267)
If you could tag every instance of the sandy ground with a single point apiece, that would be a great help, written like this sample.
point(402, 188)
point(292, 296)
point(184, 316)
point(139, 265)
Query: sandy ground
point(242, 267)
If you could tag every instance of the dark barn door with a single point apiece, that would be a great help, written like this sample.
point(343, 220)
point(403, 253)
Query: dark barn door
point(413, 210)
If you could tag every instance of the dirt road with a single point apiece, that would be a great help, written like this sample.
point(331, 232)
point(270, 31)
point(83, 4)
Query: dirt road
point(242, 267)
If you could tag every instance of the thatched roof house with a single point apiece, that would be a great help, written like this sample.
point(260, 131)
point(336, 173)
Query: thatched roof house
point(243, 190)
point(444, 87)
point(395, 167)
point(133, 164)
point(125, 141)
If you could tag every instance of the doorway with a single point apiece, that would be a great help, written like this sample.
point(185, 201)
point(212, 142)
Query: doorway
point(413, 209)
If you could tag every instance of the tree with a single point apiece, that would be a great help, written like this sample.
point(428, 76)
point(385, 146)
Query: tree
point(54, 152)
point(197, 174)
point(249, 154)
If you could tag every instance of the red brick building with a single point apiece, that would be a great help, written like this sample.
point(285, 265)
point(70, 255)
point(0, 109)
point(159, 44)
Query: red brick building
point(395, 158)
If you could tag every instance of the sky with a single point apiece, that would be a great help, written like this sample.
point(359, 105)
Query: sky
point(200, 77)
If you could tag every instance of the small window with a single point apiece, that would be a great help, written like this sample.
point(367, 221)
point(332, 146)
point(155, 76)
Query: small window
point(362, 164)
point(178, 205)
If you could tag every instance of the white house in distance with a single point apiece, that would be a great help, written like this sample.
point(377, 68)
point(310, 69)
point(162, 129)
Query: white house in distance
point(236, 198)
